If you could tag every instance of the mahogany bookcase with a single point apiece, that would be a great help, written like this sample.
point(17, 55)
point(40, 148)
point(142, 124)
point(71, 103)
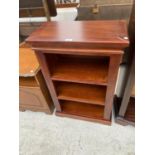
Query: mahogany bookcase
point(80, 62)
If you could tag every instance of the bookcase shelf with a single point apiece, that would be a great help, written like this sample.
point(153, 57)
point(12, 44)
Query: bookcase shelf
point(85, 93)
point(80, 66)
point(84, 111)
point(80, 69)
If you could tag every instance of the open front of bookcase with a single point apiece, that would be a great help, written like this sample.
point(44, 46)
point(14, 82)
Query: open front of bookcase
point(80, 83)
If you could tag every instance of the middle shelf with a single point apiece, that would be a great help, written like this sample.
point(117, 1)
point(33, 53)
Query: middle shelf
point(91, 94)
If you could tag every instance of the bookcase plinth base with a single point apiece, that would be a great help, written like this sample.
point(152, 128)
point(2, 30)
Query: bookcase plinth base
point(102, 121)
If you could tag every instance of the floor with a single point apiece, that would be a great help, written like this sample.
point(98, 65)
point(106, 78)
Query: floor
point(42, 134)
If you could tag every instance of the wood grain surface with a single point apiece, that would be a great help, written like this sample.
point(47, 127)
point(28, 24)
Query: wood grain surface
point(28, 63)
point(78, 108)
point(82, 32)
point(80, 62)
point(92, 71)
point(81, 93)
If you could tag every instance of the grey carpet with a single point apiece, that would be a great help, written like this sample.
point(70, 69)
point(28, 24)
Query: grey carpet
point(42, 134)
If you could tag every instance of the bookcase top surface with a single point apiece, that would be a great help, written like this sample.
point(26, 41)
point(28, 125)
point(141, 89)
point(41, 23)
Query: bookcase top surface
point(106, 31)
point(28, 64)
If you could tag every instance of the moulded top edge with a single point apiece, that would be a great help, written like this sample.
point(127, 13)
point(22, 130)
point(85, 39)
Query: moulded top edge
point(96, 32)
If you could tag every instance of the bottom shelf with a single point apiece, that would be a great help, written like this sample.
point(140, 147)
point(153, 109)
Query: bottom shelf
point(83, 111)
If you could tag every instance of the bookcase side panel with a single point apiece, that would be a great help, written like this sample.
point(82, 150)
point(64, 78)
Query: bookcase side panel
point(112, 77)
point(46, 74)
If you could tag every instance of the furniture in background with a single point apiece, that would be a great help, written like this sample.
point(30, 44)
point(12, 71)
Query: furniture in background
point(32, 14)
point(66, 3)
point(33, 92)
point(125, 105)
point(80, 65)
point(37, 8)
point(104, 9)
point(33, 9)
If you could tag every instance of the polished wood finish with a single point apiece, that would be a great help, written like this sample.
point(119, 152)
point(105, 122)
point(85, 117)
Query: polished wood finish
point(95, 69)
point(33, 92)
point(100, 34)
point(76, 108)
point(81, 92)
point(80, 65)
point(82, 111)
point(112, 76)
point(46, 74)
point(28, 63)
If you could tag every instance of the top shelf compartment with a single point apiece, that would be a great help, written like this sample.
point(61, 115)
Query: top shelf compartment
point(80, 69)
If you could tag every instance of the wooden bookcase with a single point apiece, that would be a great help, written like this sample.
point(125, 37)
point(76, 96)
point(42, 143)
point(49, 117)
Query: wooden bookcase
point(80, 62)
point(33, 92)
